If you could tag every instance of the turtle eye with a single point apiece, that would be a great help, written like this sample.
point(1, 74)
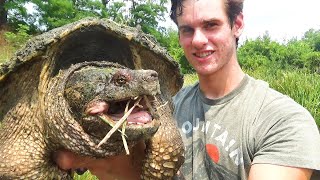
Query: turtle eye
point(120, 80)
point(121, 77)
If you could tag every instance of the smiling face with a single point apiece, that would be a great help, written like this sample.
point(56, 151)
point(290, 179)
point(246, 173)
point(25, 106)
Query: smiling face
point(205, 34)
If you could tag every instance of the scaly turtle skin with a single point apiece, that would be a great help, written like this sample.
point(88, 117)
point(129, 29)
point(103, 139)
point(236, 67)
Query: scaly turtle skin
point(52, 91)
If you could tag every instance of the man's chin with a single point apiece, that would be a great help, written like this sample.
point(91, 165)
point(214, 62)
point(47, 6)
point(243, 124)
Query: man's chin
point(206, 70)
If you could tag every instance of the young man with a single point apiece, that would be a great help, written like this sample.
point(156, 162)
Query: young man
point(233, 126)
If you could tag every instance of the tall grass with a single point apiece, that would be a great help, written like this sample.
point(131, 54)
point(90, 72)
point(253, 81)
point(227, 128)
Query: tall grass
point(6, 49)
point(5, 53)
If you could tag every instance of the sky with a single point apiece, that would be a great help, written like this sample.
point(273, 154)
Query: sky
point(282, 19)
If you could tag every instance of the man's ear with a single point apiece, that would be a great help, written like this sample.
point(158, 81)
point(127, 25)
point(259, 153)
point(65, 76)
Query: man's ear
point(238, 25)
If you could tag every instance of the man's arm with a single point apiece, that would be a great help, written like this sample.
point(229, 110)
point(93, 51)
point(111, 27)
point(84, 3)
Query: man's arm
point(276, 172)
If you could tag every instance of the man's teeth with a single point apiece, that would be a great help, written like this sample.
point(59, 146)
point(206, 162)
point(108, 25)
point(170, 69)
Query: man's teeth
point(203, 54)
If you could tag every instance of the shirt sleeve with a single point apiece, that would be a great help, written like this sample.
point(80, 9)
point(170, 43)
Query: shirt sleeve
point(286, 134)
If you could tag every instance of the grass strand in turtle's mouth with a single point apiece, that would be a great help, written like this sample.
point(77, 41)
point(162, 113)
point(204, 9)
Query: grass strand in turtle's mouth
point(106, 115)
point(119, 123)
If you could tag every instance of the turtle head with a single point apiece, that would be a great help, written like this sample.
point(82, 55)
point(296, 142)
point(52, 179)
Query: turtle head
point(101, 96)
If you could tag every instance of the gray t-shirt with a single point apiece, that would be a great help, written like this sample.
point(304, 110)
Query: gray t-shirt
point(252, 124)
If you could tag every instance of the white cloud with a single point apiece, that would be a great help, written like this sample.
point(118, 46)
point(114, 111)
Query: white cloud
point(283, 19)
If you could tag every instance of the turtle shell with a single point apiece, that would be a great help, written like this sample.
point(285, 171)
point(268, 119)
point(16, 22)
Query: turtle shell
point(89, 39)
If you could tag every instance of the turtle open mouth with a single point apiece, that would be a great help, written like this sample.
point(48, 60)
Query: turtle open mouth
point(142, 110)
point(131, 113)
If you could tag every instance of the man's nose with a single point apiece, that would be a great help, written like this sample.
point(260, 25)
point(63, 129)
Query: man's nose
point(199, 39)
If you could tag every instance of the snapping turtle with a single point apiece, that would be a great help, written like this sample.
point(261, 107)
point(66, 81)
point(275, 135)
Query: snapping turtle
point(55, 90)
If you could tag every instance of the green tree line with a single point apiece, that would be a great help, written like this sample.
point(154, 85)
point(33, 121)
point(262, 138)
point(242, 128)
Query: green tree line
point(297, 54)
point(49, 14)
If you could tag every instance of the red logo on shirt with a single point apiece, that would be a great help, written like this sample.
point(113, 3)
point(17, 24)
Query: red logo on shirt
point(213, 152)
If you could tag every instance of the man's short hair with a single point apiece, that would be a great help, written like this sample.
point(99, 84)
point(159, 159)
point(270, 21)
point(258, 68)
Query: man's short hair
point(233, 9)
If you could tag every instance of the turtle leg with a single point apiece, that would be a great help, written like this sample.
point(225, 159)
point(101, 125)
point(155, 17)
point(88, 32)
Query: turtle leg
point(165, 150)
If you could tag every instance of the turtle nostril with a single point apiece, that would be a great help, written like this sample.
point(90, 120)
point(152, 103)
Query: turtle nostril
point(154, 74)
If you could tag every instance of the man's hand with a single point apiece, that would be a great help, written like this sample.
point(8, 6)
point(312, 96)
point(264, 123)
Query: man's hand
point(121, 167)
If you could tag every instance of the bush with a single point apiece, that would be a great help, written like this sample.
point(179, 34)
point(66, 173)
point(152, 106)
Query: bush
point(19, 38)
point(312, 37)
point(265, 52)
point(262, 50)
point(313, 61)
point(253, 62)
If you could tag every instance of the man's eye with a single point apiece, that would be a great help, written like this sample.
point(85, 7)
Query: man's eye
point(210, 25)
point(186, 31)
